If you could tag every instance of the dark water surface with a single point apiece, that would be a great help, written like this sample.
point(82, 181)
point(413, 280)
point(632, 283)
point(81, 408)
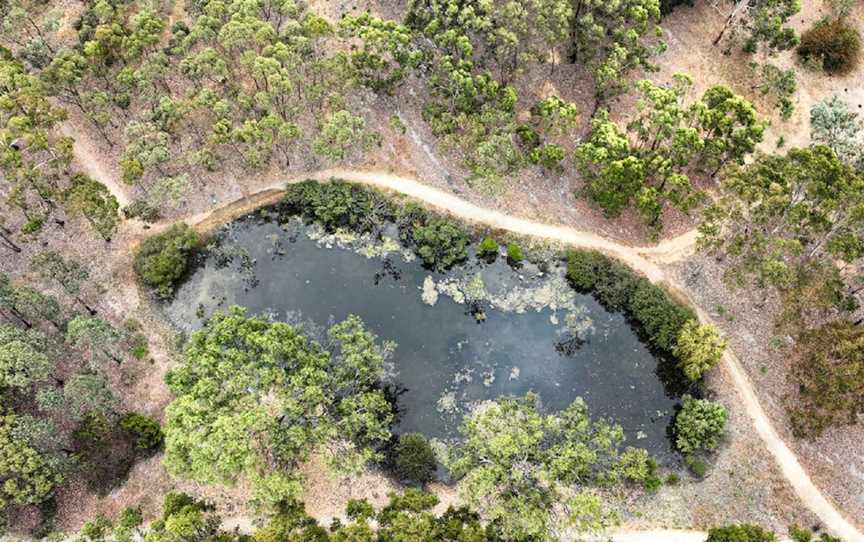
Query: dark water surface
point(444, 359)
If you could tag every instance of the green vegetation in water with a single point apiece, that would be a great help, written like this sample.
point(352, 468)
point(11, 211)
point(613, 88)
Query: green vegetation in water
point(162, 260)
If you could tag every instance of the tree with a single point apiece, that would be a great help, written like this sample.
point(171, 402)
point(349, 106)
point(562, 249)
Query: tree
point(742, 532)
point(514, 462)
point(699, 349)
point(440, 243)
point(99, 340)
point(163, 259)
point(833, 44)
point(86, 395)
point(778, 83)
point(254, 397)
point(69, 274)
point(699, 425)
point(146, 431)
point(23, 358)
point(650, 164)
point(415, 460)
point(782, 216)
point(93, 201)
point(758, 24)
point(613, 38)
point(25, 475)
point(342, 133)
point(388, 50)
point(832, 124)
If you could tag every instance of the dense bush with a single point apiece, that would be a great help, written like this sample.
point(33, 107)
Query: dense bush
point(611, 281)
point(514, 254)
point(487, 250)
point(662, 319)
point(337, 204)
point(740, 533)
point(146, 431)
point(698, 349)
point(415, 460)
point(699, 425)
point(830, 377)
point(440, 243)
point(619, 288)
point(163, 259)
point(834, 44)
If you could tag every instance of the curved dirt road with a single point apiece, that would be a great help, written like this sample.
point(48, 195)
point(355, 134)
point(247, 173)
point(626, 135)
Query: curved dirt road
point(644, 259)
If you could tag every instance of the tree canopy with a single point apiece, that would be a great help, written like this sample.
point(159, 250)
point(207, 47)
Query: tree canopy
point(253, 398)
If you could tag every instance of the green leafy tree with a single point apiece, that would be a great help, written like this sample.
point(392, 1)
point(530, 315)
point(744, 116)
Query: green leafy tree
point(94, 202)
point(146, 431)
point(415, 460)
point(742, 532)
point(615, 37)
point(67, 273)
point(25, 475)
point(23, 358)
point(699, 425)
point(87, 395)
point(163, 259)
point(343, 133)
point(759, 24)
point(440, 243)
point(388, 50)
point(97, 339)
point(649, 165)
point(699, 349)
point(514, 462)
point(253, 398)
point(782, 217)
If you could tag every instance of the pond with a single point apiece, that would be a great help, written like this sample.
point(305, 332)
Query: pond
point(534, 332)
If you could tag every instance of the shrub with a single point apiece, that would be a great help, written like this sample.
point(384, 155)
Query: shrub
point(440, 243)
point(612, 282)
point(830, 377)
point(141, 210)
point(487, 250)
point(337, 204)
point(528, 137)
point(514, 254)
point(834, 44)
point(415, 460)
point(163, 259)
point(743, 532)
point(146, 431)
point(699, 349)
point(661, 318)
point(699, 425)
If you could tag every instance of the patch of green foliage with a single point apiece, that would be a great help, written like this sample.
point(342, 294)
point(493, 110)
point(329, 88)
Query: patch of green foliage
point(414, 459)
point(514, 254)
point(145, 430)
point(162, 260)
point(742, 532)
point(699, 425)
point(488, 249)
